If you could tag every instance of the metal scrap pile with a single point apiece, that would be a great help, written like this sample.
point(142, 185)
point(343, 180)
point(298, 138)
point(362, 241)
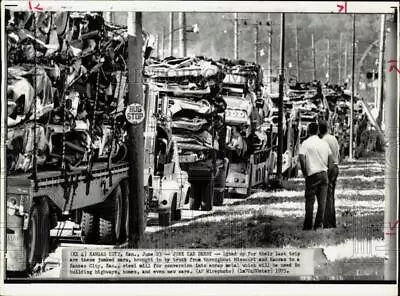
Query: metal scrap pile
point(66, 77)
point(246, 108)
point(307, 102)
point(366, 135)
point(192, 87)
point(339, 104)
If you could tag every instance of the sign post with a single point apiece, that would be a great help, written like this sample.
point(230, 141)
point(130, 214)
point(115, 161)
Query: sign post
point(134, 114)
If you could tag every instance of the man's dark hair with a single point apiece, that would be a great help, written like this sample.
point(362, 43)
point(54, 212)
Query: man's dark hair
point(323, 127)
point(313, 128)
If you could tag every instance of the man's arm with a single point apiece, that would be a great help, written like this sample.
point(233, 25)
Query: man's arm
point(330, 161)
point(302, 159)
point(338, 148)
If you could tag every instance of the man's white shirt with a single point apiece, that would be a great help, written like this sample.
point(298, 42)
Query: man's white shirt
point(316, 152)
point(334, 145)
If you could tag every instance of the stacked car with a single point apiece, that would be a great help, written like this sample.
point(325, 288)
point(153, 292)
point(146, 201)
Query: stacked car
point(246, 141)
point(67, 84)
point(190, 89)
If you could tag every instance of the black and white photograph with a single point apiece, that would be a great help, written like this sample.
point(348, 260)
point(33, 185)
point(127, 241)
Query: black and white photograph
point(199, 146)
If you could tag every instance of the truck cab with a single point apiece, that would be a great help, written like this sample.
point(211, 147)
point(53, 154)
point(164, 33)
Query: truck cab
point(166, 183)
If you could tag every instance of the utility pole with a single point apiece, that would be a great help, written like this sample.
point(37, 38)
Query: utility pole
point(380, 71)
point(297, 49)
point(135, 132)
point(162, 43)
point(236, 36)
point(158, 45)
point(313, 57)
point(280, 102)
point(340, 59)
point(256, 43)
point(352, 87)
point(182, 34)
point(171, 30)
point(346, 47)
point(270, 53)
point(328, 61)
point(392, 148)
point(375, 83)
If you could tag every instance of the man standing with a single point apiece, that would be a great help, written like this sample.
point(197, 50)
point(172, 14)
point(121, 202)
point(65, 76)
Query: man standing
point(330, 215)
point(315, 157)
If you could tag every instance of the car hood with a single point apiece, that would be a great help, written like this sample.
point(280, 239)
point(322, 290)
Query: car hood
point(238, 103)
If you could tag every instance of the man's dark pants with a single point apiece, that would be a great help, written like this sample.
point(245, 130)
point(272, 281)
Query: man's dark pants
point(316, 186)
point(330, 213)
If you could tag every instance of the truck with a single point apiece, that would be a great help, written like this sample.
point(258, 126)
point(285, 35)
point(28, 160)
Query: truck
point(292, 131)
point(165, 181)
point(188, 90)
point(246, 143)
point(66, 153)
point(302, 103)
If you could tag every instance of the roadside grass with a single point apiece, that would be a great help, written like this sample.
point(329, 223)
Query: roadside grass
point(274, 220)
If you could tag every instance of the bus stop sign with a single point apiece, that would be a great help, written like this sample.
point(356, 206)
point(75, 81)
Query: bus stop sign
point(134, 113)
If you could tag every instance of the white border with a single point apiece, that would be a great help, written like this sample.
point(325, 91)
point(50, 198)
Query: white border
point(202, 289)
point(199, 288)
point(211, 6)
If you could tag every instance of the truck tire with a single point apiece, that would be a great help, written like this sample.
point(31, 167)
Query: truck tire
point(195, 197)
point(89, 227)
point(208, 195)
point(287, 174)
point(219, 197)
point(45, 229)
point(176, 214)
point(164, 219)
point(295, 171)
point(125, 217)
point(110, 221)
point(38, 240)
point(34, 238)
point(148, 196)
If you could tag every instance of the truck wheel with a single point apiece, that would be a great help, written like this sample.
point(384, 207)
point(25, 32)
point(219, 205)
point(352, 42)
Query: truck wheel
point(34, 238)
point(45, 230)
point(208, 195)
point(111, 218)
point(219, 197)
point(125, 206)
point(89, 226)
point(195, 197)
point(176, 214)
point(295, 171)
point(287, 174)
point(148, 196)
point(164, 219)
point(38, 240)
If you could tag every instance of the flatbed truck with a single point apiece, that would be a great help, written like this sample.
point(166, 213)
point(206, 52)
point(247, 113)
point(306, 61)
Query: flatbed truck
point(100, 204)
